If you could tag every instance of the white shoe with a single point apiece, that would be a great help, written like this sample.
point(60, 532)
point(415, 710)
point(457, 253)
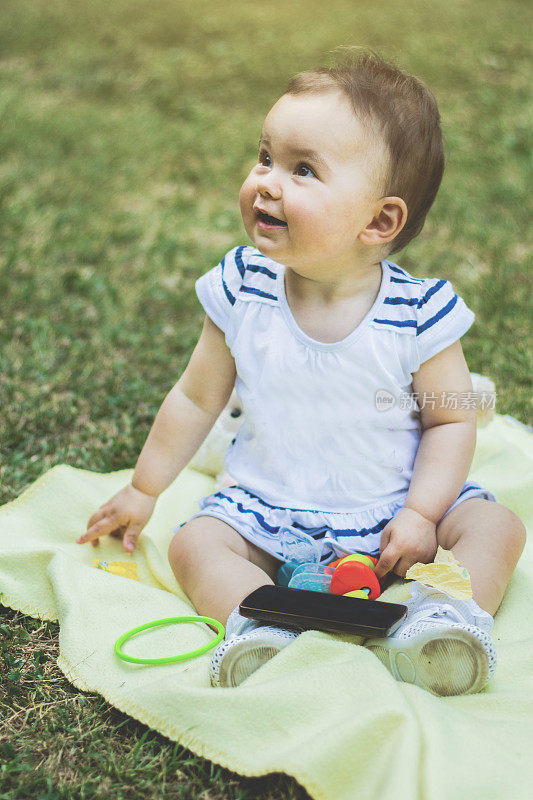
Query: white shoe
point(443, 645)
point(248, 645)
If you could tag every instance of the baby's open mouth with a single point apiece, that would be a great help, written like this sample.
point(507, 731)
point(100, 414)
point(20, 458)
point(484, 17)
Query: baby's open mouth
point(270, 220)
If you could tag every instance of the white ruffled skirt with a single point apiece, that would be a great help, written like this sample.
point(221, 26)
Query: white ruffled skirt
point(300, 535)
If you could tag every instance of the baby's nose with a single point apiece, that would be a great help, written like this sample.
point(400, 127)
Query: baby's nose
point(267, 186)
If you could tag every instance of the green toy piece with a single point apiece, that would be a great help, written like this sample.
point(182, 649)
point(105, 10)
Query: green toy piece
point(169, 621)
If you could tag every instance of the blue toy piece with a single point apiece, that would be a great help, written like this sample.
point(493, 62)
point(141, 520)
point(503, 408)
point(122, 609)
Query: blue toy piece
point(297, 549)
point(285, 573)
point(311, 576)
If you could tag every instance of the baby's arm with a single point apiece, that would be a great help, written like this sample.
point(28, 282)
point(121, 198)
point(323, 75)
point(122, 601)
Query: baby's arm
point(448, 440)
point(441, 465)
point(186, 416)
point(188, 412)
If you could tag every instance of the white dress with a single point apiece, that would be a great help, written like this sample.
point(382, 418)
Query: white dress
point(330, 429)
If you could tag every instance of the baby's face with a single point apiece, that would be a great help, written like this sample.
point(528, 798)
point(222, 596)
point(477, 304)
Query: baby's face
point(317, 175)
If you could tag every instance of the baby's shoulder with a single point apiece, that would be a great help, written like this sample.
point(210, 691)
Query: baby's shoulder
point(254, 276)
point(242, 274)
point(413, 305)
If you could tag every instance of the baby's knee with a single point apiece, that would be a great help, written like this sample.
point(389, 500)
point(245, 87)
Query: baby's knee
point(516, 531)
point(183, 549)
point(198, 540)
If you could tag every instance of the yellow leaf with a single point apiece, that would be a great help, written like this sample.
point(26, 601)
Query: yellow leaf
point(443, 573)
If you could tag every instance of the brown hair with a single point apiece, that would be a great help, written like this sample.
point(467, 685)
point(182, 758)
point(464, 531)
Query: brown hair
point(404, 113)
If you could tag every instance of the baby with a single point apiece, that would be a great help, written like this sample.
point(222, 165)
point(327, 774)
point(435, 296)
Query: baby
point(329, 344)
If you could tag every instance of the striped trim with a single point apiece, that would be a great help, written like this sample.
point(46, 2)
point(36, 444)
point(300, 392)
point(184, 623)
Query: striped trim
point(224, 284)
point(468, 488)
point(239, 261)
point(406, 323)
point(286, 508)
point(401, 280)
point(396, 301)
point(442, 313)
point(237, 258)
point(264, 270)
point(243, 510)
point(416, 312)
point(431, 292)
point(396, 268)
point(414, 301)
point(316, 534)
point(258, 292)
point(363, 532)
point(280, 508)
point(258, 272)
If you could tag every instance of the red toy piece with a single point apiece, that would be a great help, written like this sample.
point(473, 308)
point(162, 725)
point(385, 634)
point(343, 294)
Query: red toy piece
point(355, 573)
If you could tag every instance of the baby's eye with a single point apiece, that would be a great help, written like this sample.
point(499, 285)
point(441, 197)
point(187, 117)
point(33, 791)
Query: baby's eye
point(262, 157)
point(309, 172)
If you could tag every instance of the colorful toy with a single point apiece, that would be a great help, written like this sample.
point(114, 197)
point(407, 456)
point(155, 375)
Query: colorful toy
point(352, 576)
point(355, 573)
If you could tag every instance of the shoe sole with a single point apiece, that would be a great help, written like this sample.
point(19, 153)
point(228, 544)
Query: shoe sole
point(451, 663)
point(242, 660)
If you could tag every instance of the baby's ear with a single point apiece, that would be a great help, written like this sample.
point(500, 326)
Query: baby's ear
point(389, 219)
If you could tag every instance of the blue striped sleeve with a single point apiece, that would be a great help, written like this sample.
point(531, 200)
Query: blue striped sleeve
point(442, 318)
point(217, 289)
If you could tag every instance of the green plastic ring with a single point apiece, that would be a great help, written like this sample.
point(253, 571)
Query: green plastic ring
point(171, 659)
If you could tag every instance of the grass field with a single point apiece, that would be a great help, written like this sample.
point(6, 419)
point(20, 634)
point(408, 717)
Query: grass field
point(127, 129)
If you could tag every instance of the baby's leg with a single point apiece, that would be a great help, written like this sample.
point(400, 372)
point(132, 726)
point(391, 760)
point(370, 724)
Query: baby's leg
point(486, 538)
point(217, 567)
point(449, 651)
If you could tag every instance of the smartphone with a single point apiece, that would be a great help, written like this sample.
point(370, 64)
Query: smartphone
point(322, 611)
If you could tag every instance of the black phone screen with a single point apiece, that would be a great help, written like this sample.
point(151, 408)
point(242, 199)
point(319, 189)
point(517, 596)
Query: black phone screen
point(322, 611)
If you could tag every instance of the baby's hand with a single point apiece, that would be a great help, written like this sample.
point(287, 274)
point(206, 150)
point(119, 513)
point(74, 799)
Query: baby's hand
point(125, 514)
point(407, 539)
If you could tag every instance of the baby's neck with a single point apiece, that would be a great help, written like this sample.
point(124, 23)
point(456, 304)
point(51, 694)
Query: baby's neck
point(334, 286)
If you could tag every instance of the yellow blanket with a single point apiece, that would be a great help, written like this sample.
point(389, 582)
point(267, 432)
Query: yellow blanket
point(325, 710)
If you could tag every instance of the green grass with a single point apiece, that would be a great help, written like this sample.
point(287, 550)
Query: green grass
point(127, 128)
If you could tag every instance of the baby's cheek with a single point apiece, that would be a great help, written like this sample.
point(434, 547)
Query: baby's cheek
point(247, 192)
point(247, 197)
point(316, 226)
point(302, 217)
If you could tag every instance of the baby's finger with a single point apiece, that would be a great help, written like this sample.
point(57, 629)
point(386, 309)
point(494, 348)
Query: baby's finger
point(96, 517)
point(385, 539)
point(402, 566)
point(130, 537)
point(387, 560)
point(101, 528)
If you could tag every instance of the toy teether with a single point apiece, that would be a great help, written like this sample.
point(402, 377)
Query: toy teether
point(311, 576)
point(355, 573)
point(298, 547)
point(351, 575)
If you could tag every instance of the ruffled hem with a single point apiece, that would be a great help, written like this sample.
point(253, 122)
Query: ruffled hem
point(303, 535)
point(314, 518)
point(294, 506)
point(298, 535)
point(270, 517)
